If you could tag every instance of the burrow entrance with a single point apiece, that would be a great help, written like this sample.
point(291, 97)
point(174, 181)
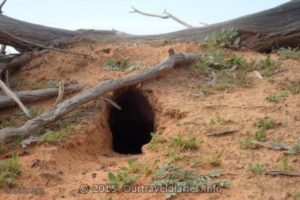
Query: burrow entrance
point(131, 126)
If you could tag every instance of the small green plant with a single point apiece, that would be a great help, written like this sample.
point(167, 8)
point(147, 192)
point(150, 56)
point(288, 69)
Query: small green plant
point(247, 143)
point(267, 65)
point(155, 141)
point(172, 155)
point(123, 177)
point(260, 135)
point(265, 123)
point(222, 38)
point(52, 84)
point(285, 164)
point(289, 53)
point(216, 159)
point(276, 98)
point(257, 169)
point(9, 170)
point(215, 123)
point(180, 142)
point(207, 89)
point(117, 65)
point(56, 136)
point(170, 175)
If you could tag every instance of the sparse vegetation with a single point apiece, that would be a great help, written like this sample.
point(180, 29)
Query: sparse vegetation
point(123, 177)
point(265, 123)
point(216, 123)
point(18, 83)
point(267, 65)
point(257, 169)
point(289, 53)
point(180, 142)
point(173, 155)
point(9, 170)
point(56, 136)
point(169, 175)
point(216, 159)
point(260, 135)
point(276, 98)
point(117, 65)
point(229, 71)
point(155, 141)
point(122, 65)
point(247, 143)
point(223, 38)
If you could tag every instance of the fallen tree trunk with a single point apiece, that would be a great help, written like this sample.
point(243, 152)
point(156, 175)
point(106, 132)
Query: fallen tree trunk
point(69, 105)
point(262, 31)
point(36, 95)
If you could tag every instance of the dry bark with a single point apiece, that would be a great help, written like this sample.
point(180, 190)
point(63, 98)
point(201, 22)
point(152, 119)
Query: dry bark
point(36, 95)
point(69, 105)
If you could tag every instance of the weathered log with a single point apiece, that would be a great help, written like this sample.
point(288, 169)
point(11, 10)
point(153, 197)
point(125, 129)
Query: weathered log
point(36, 95)
point(69, 105)
point(262, 31)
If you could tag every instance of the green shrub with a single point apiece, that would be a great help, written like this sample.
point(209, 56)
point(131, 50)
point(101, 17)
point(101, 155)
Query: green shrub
point(257, 169)
point(276, 98)
point(289, 53)
point(221, 38)
point(9, 170)
point(56, 136)
point(260, 135)
point(265, 123)
point(180, 142)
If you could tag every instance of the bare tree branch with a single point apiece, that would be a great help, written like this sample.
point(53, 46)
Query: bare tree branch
point(166, 15)
point(40, 45)
point(12, 95)
point(1, 6)
point(61, 92)
point(176, 19)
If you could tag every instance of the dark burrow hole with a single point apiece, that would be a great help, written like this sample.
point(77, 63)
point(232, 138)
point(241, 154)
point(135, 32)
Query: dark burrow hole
point(131, 126)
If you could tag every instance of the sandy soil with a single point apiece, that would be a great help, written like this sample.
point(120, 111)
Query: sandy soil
point(86, 156)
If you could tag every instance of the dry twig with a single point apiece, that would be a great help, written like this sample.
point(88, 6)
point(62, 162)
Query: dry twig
point(12, 95)
point(166, 15)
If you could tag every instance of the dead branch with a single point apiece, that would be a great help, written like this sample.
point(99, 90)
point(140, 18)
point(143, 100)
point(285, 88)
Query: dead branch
point(114, 104)
point(282, 172)
point(12, 95)
point(222, 132)
point(1, 6)
point(36, 95)
point(31, 126)
point(33, 44)
point(271, 145)
point(61, 92)
point(166, 15)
